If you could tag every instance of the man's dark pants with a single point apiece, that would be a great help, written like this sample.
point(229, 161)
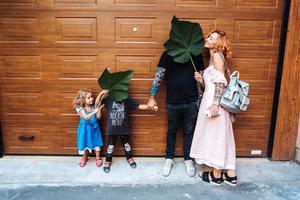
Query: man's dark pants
point(185, 116)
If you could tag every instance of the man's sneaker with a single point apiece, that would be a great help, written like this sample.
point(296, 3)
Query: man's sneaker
point(190, 168)
point(167, 167)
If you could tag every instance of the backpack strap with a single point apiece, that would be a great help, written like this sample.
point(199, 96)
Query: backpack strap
point(222, 56)
point(235, 73)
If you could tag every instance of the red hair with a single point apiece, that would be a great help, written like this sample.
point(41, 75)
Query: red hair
point(223, 44)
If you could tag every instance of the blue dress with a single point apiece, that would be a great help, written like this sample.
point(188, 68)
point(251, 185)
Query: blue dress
point(88, 133)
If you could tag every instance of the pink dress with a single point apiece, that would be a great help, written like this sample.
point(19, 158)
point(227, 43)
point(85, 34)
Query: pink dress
point(213, 143)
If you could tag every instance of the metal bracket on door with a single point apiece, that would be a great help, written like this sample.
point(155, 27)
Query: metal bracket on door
point(26, 138)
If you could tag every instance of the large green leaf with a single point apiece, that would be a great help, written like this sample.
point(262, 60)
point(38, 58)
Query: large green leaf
point(117, 83)
point(185, 39)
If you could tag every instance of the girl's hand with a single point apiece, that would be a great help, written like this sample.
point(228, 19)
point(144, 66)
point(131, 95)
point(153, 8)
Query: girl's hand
point(98, 114)
point(101, 106)
point(198, 77)
point(104, 92)
point(96, 110)
point(155, 108)
point(214, 109)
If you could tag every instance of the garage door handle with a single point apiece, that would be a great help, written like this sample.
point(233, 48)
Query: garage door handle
point(25, 138)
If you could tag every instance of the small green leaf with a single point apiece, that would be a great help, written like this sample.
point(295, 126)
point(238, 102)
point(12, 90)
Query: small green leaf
point(117, 83)
point(104, 80)
point(118, 95)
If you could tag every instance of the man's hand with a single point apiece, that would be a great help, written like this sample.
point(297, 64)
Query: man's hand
point(152, 103)
point(155, 108)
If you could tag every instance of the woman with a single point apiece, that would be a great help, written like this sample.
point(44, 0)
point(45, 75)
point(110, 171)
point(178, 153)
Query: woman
point(213, 143)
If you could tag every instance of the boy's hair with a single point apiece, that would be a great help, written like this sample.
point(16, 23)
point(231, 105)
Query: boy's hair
point(80, 97)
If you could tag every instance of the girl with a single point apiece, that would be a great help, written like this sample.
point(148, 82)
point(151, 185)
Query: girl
point(213, 143)
point(88, 131)
point(118, 126)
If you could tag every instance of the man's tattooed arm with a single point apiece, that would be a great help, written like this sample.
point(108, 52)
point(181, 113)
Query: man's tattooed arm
point(160, 73)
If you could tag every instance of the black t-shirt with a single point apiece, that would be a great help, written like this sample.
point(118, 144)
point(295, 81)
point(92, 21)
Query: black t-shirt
point(181, 85)
point(117, 115)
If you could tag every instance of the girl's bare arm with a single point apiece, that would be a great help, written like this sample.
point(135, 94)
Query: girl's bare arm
point(100, 97)
point(87, 116)
point(99, 112)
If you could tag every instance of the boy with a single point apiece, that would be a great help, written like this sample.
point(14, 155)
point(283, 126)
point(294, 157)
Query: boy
point(118, 126)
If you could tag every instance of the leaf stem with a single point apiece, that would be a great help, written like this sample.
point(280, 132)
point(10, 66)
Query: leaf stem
point(198, 84)
point(193, 63)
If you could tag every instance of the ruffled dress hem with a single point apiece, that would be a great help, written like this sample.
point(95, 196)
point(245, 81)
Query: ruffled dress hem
point(211, 164)
point(81, 152)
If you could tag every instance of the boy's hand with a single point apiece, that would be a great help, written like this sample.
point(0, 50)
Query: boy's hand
point(155, 108)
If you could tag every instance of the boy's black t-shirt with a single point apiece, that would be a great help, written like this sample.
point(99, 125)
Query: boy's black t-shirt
point(117, 115)
point(181, 85)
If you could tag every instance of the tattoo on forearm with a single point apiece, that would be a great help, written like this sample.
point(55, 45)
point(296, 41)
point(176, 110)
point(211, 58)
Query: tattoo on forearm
point(160, 72)
point(218, 93)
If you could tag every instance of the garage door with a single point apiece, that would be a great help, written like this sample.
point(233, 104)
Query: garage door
point(51, 48)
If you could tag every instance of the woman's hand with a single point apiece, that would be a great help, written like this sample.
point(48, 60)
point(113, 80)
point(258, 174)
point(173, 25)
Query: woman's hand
point(214, 110)
point(199, 77)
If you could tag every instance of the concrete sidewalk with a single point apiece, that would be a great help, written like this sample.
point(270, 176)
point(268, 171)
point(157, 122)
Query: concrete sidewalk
point(257, 178)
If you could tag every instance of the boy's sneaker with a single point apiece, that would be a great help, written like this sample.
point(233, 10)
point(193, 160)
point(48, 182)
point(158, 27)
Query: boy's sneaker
point(106, 167)
point(167, 167)
point(190, 168)
point(132, 163)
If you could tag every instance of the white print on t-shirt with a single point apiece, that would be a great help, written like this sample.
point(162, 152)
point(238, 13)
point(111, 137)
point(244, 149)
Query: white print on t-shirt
point(117, 114)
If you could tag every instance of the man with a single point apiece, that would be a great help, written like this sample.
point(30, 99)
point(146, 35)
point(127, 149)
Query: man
point(182, 105)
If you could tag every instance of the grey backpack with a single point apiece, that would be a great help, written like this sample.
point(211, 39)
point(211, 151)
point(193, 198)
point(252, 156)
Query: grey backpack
point(235, 96)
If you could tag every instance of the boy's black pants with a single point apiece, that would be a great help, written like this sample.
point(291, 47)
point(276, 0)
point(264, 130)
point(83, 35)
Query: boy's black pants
point(112, 139)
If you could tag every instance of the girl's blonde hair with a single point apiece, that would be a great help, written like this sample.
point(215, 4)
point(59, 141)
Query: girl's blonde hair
point(80, 97)
point(223, 45)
